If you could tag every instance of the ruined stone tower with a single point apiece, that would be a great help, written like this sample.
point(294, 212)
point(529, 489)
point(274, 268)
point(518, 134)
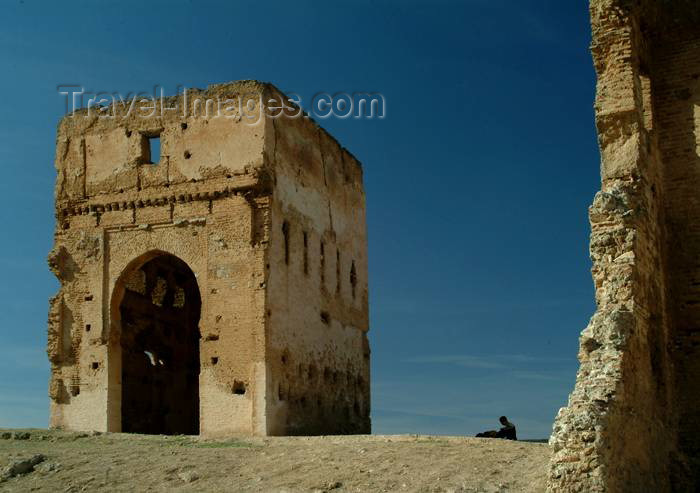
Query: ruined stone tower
point(633, 420)
point(218, 287)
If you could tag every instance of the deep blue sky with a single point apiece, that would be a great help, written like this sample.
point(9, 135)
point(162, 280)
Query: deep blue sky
point(477, 181)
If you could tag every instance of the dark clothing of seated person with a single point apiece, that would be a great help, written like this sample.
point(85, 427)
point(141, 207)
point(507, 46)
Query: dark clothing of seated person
point(507, 431)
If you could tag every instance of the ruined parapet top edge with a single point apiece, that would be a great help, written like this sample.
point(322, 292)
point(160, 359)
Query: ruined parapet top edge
point(250, 86)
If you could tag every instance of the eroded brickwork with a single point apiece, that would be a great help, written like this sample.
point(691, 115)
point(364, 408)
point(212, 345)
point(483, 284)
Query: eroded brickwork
point(220, 290)
point(632, 421)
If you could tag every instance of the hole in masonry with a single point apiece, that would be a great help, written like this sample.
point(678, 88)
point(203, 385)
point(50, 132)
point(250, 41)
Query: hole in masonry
point(590, 345)
point(128, 133)
point(95, 365)
point(306, 252)
point(88, 297)
point(285, 233)
point(183, 126)
point(325, 318)
point(353, 279)
point(87, 328)
point(337, 271)
point(154, 149)
point(188, 154)
point(238, 387)
point(322, 267)
point(214, 360)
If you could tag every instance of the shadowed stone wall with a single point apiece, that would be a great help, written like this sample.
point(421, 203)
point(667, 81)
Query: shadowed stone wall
point(632, 422)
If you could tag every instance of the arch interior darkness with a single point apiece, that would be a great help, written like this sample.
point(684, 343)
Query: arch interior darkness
point(160, 314)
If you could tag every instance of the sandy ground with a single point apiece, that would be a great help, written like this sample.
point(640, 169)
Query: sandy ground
point(120, 462)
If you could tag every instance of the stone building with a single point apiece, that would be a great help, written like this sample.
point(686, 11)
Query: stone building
point(633, 420)
point(216, 285)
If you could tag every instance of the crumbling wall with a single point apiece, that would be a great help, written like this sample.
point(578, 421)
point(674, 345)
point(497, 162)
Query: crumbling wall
point(116, 210)
point(317, 288)
point(214, 201)
point(627, 418)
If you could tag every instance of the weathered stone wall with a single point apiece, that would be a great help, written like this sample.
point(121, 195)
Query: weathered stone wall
point(209, 201)
point(677, 101)
point(634, 403)
point(317, 291)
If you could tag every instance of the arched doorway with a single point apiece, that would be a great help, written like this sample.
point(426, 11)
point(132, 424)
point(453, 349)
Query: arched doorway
point(159, 340)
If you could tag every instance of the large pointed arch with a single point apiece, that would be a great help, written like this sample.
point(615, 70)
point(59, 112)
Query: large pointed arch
point(155, 309)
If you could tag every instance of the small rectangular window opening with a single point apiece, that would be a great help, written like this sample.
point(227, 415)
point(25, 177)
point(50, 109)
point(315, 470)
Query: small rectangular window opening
point(306, 253)
point(353, 279)
point(337, 271)
point(323, 264)
point(285, 233)
point(154, 149)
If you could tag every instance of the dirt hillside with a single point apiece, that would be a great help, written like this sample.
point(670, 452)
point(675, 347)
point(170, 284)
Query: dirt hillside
point(41, 460)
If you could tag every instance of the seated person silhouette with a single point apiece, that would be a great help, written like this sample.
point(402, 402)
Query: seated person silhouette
point(507, 431)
